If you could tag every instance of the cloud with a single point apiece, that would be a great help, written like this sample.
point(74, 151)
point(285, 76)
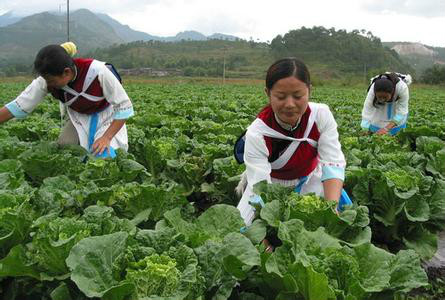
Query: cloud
point(219, 22)
point(419, 8)
point(26, 7)
point(403, 20)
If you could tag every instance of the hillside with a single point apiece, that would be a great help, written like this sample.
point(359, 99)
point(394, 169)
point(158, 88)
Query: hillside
point(330, 54)
point(20, 41)
point(339, 51)
point(193, 58)
point(419, 56)
point(130, 35)
point(125, 32)
point(8, 18)
point(22, 37)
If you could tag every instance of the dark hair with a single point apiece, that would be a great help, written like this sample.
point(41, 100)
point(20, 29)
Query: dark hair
point(52, 60)
point(287, 67)
point(387, 84)
point(383, 85)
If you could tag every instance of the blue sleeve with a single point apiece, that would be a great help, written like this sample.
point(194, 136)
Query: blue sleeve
point(15, 110)
point(330, 172)
point(398, 119)
point(124, 114)
point(365, 124)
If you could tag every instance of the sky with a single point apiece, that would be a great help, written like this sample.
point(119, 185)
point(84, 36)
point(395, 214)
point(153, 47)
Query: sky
point(390, 20)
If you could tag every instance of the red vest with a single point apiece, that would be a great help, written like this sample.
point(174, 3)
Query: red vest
point(83, 105)
point(305, 158)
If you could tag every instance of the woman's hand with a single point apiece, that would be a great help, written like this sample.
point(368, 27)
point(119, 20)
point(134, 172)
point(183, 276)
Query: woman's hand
point(268, 248)
point(382, 131)
point(386, 129)
point(101, 145)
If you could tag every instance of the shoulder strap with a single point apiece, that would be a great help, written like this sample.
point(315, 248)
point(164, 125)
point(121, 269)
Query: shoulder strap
point(238, 149)
point(114, 71)
point(284, 158)
point(92, 73)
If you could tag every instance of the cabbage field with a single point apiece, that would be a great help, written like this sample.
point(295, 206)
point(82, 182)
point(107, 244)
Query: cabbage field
point(160, 222)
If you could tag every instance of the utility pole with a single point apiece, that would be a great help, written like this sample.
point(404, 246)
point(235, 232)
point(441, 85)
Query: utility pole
point(67, 20)
point(364, 72)
point(224, 65)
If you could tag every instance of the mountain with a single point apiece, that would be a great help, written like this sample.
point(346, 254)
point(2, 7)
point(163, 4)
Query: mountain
point(329, 53)
point(419, 56)
point(8, 19)
point(22, 37)
point(334, 52)
point(187, 36)
point(20, 41)
point(413, 48)
point(125, 32)
point(130, 35)
point(339, 51)
point(220, 36)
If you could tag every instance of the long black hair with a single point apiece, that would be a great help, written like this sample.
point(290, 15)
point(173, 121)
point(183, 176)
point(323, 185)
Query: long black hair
point(52, 60)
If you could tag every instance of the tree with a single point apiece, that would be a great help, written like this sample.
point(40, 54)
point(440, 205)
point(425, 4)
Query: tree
point(434, 75)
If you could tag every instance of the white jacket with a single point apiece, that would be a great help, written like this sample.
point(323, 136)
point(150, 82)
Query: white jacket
point(331, 159)
point(120, 108)
point(380, 116)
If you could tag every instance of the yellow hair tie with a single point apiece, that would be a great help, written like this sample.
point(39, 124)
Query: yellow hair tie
point(70, 48)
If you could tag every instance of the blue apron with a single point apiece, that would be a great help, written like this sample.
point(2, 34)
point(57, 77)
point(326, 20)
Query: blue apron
point(393, 130)
point(109, 152)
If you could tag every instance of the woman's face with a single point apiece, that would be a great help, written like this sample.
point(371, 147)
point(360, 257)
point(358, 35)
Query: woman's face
point(289, 98)
point(383, 97)
point(59, 81)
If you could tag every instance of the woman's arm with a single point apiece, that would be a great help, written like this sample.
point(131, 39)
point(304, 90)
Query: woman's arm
point(401, 109)
point(332, 189)
point(123, 108)
point(25, 103)
point(368, 109)
point(331, 156)
point(256, 159)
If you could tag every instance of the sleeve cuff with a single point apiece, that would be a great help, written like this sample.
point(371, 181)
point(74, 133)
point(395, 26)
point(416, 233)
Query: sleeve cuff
point(398, 119)
point(124, 114)
point(330, 172)
point(15, 110)
point(365, 124)
point(256, 201)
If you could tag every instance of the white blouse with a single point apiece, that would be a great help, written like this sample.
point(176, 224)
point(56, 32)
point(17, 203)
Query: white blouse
point(120, 108)
point(380, 116)
point(331, 157)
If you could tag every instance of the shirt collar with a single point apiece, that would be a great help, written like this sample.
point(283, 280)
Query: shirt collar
point(75, 74)
point(286, 126)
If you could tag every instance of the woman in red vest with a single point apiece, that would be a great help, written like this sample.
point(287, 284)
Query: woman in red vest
point(92, 95)
point(292, 141)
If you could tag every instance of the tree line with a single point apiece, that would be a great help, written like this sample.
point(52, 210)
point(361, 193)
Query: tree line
point(330, 54)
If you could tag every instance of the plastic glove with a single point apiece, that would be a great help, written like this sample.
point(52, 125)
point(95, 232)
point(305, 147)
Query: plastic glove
point(344, 200)
point(256, 202)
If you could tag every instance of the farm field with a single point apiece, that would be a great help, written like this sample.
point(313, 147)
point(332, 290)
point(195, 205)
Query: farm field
point(160, 222)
